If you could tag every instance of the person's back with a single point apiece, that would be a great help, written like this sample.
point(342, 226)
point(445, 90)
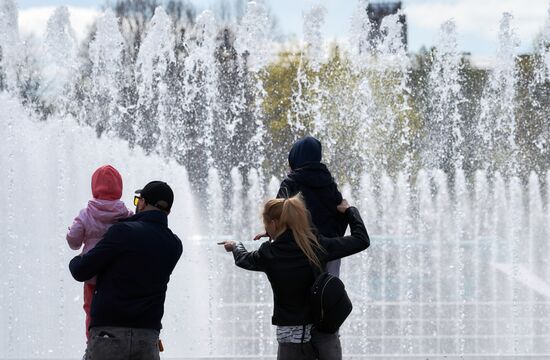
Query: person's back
point(92, 222)
point(291, 276)
point(314, 181)
point(290, 261)
point(321, 195)
point(128, 287)
point(104, 210)
point(133, 264)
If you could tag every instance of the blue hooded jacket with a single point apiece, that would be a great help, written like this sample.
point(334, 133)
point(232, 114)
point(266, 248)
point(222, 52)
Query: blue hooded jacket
point(305, 151)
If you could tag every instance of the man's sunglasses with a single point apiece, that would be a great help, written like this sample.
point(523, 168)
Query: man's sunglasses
point(136, 199)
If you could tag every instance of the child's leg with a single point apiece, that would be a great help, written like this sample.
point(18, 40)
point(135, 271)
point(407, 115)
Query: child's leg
point(88, 294)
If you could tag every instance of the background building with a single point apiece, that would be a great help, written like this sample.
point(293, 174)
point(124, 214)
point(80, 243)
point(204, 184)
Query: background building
point(377, 11)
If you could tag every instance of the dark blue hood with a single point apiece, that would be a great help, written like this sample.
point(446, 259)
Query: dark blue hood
point(305, 151)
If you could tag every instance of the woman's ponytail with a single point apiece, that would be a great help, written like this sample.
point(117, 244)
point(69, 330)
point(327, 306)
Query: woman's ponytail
point(292, 214)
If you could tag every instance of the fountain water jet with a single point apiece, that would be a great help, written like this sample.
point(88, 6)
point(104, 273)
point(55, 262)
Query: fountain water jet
point(496, 120)
point(154, 58)
point(445, 93)
point(106, 56)
point(9, 44)
point(60, 63)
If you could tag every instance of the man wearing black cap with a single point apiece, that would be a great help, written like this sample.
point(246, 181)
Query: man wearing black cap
point(133, 263)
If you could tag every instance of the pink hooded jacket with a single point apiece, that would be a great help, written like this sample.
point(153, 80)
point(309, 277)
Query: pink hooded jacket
point(103, 211)
point(92, 223)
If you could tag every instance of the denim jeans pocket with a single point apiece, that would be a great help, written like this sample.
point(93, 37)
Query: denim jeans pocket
point(104, 347)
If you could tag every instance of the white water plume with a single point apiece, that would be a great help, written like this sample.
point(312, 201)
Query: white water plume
point(201, 79)
point(9, 42)
point(444, 138)
point(106, 57)
point(497, 121)
point(391, 49)
point(314, 19)
point(253, 34)
point(154, 58)
point(391, 104)
point(360, 42)
point(60, 51)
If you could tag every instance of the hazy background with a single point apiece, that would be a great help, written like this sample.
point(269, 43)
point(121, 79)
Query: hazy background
point(477, 21)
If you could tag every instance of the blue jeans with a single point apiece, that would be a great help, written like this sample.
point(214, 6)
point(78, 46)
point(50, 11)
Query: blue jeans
point(116, 343)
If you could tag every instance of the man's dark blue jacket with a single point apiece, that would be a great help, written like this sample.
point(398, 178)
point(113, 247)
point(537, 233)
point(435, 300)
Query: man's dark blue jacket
point(133, 263)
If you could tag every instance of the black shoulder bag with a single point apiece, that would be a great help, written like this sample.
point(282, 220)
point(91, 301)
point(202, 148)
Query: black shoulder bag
point(330, 303)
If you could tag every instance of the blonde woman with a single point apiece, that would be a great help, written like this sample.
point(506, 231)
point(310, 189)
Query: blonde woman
point(288, 259)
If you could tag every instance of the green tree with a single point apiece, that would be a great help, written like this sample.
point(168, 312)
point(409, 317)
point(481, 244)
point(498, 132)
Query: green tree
point(532, 117)
point(279, 79)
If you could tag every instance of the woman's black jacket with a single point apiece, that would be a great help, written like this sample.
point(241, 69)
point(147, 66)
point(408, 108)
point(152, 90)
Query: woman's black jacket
point(290, 272)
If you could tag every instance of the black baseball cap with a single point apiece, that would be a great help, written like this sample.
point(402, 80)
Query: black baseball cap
point(159, 194)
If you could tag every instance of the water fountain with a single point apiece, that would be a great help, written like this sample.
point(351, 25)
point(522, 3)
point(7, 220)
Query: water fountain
point(496, 120)
point(458, 264)
point(445, 96)
point(60, 63)
point(107, 72)
point(154, 58)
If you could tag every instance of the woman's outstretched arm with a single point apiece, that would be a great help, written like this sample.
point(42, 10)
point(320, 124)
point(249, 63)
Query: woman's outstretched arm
point(249, 260)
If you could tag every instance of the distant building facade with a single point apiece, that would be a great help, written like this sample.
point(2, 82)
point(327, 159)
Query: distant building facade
point(377, 11)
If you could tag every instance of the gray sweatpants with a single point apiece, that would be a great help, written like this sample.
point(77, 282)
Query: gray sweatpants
point(333, 267)
point(118, 343)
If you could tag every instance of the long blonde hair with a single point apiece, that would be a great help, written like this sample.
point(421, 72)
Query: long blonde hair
point(292, 214)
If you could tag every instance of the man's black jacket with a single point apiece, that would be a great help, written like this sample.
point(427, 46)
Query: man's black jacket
point(133, 263)
point(289, 271)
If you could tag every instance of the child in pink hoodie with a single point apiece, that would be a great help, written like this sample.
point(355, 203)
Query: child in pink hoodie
point(92, 222)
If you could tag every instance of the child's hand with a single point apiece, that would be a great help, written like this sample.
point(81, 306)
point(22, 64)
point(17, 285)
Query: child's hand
point(344, 205)
point(260, 235)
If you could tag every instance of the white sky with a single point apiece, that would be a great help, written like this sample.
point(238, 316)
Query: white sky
point(477, 20)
